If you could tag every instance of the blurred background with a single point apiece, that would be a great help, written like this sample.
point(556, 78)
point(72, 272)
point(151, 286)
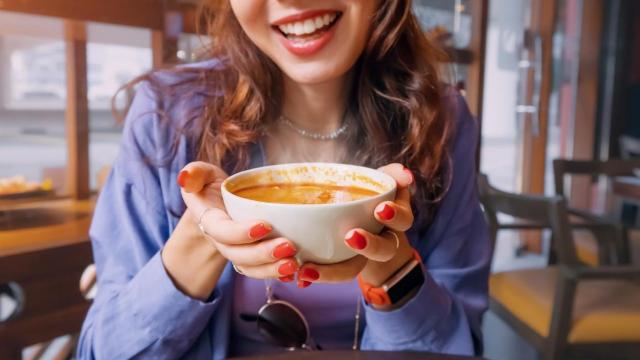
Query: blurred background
point(546, 79)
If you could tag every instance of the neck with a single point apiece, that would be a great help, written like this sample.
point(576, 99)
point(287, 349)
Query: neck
point(316, 107)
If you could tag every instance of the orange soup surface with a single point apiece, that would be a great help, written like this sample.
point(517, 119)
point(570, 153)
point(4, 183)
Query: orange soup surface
point(304, 193)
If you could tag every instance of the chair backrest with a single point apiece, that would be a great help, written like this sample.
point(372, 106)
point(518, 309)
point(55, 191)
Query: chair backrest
point(629, 147)
point(537, 212)
point(613, 167)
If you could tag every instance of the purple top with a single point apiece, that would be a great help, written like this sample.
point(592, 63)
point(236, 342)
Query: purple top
point(139, 313)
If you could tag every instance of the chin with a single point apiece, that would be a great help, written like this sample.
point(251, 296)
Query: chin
point(309, 74)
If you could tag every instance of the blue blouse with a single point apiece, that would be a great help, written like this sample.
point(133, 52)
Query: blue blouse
point(139, 313)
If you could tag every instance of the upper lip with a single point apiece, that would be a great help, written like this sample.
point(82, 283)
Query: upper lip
point(303, 16)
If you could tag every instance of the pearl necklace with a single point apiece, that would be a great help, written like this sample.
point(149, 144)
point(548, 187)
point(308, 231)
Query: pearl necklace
point(313, 135)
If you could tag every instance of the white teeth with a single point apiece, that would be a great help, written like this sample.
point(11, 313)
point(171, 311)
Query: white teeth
point(308, 26)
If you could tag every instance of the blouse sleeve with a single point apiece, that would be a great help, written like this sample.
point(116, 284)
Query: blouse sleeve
point(138, 311)
point(444, 316)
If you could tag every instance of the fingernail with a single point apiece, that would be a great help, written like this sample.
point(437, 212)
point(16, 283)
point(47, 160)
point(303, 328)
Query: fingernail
point(288, 278)
point(182, 178)
point(409, 175)
point(357, 241)
point(387, 213)
point(288, 268)
point(310, 274)
point(258, 231)
point(303, 284)
point(284, 251)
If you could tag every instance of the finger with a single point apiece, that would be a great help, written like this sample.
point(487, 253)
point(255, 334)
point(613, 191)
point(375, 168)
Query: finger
point(402, 175)
point(379, 248)
point(259, 253)
point(332, 273)
point(201, 187)
point(219, 226)
point(196, 175)
point(394, 215)
point(404, 178)
point(288, 278)
point(278, 269)
point(207, 209)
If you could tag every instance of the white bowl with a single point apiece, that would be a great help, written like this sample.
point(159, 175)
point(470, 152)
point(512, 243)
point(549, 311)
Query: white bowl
point(317, 230)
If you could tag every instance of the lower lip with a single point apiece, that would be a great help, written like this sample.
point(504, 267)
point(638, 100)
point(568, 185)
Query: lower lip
point(311, 47)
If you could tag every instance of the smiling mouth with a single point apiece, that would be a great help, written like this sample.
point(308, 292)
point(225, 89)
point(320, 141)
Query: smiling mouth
point(309, 29)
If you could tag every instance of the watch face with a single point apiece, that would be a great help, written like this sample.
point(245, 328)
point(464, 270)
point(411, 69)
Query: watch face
point(412, 280)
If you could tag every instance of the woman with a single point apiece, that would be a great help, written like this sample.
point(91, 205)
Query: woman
point(288, 81)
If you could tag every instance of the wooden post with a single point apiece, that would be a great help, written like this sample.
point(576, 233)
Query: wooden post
point(478, 45)
point(164, 49)
point(542, 23)
point(164, 43)
point(77, 112)
point(586, 106)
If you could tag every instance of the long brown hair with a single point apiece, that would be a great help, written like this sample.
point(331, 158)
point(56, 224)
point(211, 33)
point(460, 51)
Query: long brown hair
point(396, 97)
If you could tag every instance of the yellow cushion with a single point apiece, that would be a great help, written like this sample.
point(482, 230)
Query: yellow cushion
point(604, 310)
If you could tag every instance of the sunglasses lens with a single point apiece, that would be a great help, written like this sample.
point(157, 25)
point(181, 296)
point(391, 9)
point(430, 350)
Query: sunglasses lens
point(281, 325)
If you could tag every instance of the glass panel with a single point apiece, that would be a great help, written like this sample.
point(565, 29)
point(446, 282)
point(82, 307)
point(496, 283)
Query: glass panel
point(566, 58)
point(32, 101)
point(449, 18)
point(449, 23)
point(115, 56)
point(501, 134)
point(190, 47)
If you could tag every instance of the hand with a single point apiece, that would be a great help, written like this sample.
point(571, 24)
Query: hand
point(242, 243)
point(379, 255)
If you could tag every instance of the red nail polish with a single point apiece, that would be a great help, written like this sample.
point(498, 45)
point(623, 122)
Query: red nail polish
point(286, 279)
point(259, 231)
point(387, 213)
point(303, 284)
point(284, 251)
point(357, 241)
point(288, 268)
point(410, 174)
point(310, 274)
point(182, 178)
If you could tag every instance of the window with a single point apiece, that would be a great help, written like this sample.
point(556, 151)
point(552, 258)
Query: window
point(33, 93)
point(115, 56)
point(32, 99)
point(452, 17)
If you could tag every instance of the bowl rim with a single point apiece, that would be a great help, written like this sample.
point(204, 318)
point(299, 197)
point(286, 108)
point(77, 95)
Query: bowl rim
point(381, 196)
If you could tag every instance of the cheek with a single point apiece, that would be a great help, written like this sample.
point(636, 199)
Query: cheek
point(252, 16)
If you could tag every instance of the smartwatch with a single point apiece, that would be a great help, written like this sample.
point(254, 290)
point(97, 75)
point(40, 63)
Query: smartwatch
point(398, 286)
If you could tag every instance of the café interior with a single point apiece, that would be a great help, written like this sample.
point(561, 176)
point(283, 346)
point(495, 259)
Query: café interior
point(553, 84)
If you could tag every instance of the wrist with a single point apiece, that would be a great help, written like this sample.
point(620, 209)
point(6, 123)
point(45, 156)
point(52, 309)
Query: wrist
point(191, 260)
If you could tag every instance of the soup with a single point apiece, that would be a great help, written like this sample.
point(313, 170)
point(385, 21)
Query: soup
point(304, 193)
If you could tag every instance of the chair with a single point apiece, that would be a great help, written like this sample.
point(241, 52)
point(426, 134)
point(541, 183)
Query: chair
point(567, 310)
point(587, 250)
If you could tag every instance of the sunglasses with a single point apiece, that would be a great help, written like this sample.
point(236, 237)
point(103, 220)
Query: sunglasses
point(282, 324)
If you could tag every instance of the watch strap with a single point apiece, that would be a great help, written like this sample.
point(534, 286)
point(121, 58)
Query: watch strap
point(378, 295)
